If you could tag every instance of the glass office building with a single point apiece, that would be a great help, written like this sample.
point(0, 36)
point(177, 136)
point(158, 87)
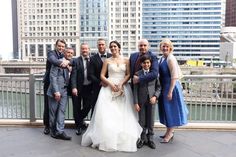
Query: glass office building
point(193, 25)
point(93, 22)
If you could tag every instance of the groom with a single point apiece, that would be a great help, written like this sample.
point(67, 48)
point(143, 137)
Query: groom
point(95, 68)
point(135, 65)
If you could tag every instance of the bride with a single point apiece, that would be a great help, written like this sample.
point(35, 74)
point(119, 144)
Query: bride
point(114, 125)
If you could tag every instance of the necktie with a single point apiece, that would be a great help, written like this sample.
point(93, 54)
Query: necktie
point(87, 64)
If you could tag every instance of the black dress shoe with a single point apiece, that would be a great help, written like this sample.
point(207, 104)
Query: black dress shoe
point(79, 131)
point(63, 136)
point(46, 130)
point(53, 135)
point(140, 143)
point(151, 144)
point(84, 126)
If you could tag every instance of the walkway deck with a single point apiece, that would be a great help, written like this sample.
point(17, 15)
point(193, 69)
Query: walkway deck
point(31, 142)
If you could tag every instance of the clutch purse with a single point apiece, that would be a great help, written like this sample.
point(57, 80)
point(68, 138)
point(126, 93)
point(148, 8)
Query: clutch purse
point(116, 94)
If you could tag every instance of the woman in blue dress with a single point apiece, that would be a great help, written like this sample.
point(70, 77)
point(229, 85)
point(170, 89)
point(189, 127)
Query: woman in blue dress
point(172, 108)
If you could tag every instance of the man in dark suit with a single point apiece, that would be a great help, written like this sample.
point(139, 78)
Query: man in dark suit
point(81, 88)
point(135, 65)
point(145, 99)
point(53, 58)
point(95, 70)
point(58, 97)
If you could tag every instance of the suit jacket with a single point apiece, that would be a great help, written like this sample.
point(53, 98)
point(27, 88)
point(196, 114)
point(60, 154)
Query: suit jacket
point(94, 70)
point(143, 92)
point(59, 80)
point(77, 74)
point(52, 59)
point(153, 70)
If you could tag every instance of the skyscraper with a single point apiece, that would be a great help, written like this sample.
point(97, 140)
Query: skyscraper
point(193, 26)
point(230, 19)
point(93, 21)
point(125, 23)
point(42, 22)
point(14, 29)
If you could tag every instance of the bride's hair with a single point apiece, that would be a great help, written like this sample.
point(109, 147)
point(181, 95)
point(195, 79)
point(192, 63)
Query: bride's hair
point(115, 42)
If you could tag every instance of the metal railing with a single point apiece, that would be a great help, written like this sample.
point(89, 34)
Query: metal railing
point(210, 98)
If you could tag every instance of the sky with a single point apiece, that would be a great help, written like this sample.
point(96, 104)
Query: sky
point(6, 48)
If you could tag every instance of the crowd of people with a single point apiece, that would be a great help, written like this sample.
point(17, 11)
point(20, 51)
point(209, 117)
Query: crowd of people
point(120, 93)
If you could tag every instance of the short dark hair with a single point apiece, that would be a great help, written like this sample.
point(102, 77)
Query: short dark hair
point(61, 41)
point(144, 58)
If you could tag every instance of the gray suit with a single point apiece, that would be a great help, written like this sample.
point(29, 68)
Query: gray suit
point(142, 94)
point(59, 79)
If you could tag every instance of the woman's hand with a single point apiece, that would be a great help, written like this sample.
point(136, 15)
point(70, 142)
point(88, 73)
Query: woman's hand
point(169, 96)
point(120, 86)
point(114, 88)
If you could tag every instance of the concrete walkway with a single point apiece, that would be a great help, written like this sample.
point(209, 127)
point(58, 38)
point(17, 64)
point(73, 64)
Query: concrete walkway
point(31, 142)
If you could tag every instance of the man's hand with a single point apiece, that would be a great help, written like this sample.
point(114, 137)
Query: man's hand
point(135, 79)
point(64, 63)
point(57, 96)
point(74, 92)
point(153, 100)
point(137, 107)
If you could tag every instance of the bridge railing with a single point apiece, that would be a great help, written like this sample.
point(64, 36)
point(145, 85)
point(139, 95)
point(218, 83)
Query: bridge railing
point(210, 98)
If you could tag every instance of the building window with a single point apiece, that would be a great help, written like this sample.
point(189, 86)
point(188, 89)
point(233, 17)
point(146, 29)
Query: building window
point(40, 50)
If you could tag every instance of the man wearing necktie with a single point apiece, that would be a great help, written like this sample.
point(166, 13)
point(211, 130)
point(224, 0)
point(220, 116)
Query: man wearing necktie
point(81, 88)
point(58, 98)
point(95, 68)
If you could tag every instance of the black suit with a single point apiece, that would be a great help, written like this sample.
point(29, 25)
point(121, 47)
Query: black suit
point(94, 75)
point(52, 58)
point(84, 92)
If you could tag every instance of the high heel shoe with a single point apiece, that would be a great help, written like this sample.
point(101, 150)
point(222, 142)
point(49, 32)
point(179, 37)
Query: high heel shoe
point(165, 141)
point(163, 136)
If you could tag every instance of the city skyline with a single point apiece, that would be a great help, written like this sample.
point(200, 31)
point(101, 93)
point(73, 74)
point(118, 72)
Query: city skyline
point(7, 40)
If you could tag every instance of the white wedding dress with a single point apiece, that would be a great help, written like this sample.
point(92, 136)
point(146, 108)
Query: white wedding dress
point(114, 125)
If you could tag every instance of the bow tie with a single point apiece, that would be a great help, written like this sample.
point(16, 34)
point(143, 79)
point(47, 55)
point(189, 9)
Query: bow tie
point(103, 56)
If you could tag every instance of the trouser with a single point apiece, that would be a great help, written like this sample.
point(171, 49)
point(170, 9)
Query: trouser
point(82, 105)
point(146, 120)
point(57, 114)
point(46, 107)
